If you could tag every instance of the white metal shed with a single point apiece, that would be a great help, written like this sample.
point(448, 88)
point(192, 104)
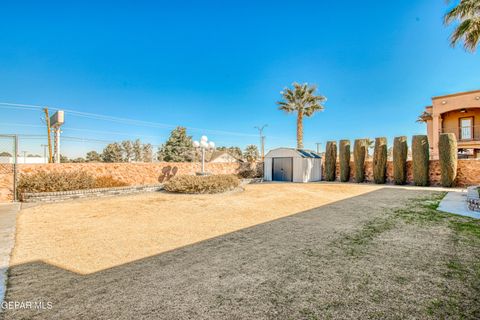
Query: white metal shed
point(295, 165)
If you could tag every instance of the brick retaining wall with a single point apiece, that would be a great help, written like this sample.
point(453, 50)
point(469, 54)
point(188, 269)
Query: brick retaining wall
point(468, 172)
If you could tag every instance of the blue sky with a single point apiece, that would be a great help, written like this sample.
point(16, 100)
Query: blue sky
point(220, 65)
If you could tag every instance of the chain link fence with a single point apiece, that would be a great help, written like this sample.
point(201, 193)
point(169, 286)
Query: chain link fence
point(8, 167)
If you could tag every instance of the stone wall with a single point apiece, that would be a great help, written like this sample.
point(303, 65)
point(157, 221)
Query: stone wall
point(89, 193)
point(133, 174)
point(468, 172)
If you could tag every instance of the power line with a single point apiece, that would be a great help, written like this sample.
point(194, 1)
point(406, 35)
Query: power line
point(7, 105)
point(84, 130)
point(120, 120)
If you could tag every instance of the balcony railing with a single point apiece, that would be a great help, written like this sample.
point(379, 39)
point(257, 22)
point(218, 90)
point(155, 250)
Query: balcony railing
point(464, 133)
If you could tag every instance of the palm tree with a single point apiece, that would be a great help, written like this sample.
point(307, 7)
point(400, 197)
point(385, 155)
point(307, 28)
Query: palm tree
point(467, 12)
point(301, 99)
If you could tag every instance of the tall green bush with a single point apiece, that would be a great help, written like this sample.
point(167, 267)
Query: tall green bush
point(421, 160)
point(447, 147)
point(359, 153)
point(330, 160)
point(380, 154)
point(344, 160)
point(400, 154)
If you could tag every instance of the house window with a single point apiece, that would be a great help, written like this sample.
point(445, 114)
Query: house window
point(466, 128)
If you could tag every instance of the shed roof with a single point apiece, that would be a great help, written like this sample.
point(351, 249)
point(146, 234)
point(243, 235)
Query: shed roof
point(291, 152)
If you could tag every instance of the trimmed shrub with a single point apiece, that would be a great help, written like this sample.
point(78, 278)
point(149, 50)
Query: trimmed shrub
point(380, 154)
point(359, 153)
point(400, 154)
point(330, 160)
point(447, 147)
point(344, 160)
point(420, 160)
point(202, 184)
point(260, 167)
point(44, 181)
point(247, 173)
point(250, 171)
point(108, 182)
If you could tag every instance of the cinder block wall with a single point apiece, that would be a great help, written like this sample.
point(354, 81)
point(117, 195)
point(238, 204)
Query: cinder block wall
point(130, 173)
point(468, 172)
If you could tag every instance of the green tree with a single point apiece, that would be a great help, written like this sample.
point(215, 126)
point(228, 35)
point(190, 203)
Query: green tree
point(251, 153)
point(178, 148)
point(127, 150)
point(137, 151)
point(93, 156)
point(234, 151)
point(147, 153)
point(302, 100)
point(64, 159)
point(467, 13)
point(112, 153)
point(5, 154)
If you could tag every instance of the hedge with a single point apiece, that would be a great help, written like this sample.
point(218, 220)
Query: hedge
point(420, 160)
point(400, 154)
point(447, 148)
point(359, 153)
point(202, 184)
point(380, 155)
point(45, 181)
point(344, 160)
point(330, 160)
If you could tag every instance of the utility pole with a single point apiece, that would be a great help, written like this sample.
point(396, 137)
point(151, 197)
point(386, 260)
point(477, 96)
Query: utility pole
point(262, 139)
point(47, 119)
point(56, 131)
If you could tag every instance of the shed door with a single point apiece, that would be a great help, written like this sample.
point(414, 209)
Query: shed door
point(282, 169)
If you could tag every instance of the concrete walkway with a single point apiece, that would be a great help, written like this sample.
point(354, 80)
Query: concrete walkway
point(456, 202)
point(8, 215)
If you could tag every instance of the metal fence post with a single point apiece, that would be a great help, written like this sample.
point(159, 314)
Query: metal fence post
point(15, 152)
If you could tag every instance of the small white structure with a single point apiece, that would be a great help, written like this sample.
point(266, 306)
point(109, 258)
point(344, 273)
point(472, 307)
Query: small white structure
point(295, 165)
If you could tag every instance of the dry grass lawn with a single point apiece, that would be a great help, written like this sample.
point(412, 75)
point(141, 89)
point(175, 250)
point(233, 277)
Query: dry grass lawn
point(91, 235)
point(275, 251)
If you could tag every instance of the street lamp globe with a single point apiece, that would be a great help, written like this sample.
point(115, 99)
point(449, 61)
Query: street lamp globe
point(204, 144)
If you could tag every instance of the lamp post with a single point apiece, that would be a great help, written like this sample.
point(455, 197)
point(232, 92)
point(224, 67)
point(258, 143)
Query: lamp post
point(204, 144)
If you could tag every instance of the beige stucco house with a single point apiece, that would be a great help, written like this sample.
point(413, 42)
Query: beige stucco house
point(457, 113)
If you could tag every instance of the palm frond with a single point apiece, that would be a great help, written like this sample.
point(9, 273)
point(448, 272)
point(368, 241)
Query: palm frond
point(467, 12)
point(301, 98)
